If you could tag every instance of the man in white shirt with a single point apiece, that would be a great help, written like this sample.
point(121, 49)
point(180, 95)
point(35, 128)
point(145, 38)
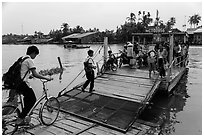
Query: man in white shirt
point(24, 88)
point(130, 50)
point(89, 71)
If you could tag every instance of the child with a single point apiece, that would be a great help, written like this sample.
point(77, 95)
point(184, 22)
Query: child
point(24, 88)
point(151, 59)
point(89, 72)
point(111, 58)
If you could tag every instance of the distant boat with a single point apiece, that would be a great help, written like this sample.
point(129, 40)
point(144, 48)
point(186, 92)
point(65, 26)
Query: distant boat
point(82, 46)
point(69, 45)
point(76, 46)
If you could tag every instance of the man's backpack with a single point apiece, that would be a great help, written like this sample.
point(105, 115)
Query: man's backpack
point(87, 68)
point(12, 78)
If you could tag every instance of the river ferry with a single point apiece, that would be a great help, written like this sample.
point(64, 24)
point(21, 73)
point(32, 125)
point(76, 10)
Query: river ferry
point(119, 98)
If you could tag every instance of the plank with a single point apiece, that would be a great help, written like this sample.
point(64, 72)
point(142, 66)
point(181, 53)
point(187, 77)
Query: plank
point(57, 131)
point(117, 96)
point(78, 120)
point(133, 131)
point(121, 84)
point(138, 81)
point(97, 131)
point(110, 131)
point(86, 133)
point(146, 123)
point(129, 79)
point(73, 123)
point(66, 127)
point(138, 91)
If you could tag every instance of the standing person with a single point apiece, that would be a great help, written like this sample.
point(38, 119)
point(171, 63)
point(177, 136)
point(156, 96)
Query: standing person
point(24, 88)
point(162, 72)
point(130, 50)
point(89, 65)
point(135, 48)
point(151, 59)
point(130, 53)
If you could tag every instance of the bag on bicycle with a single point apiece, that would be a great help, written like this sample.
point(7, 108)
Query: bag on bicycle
point(12, 78)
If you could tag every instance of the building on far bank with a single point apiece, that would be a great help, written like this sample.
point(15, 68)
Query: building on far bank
point(195, 35)
point(80, 38)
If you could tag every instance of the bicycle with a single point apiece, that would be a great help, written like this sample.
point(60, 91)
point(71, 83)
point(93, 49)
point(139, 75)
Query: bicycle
point(48, 112)
point(107, 66)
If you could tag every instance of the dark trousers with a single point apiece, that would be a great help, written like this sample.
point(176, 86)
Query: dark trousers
point(161, 67)
point(29, 98)
point(90, 79)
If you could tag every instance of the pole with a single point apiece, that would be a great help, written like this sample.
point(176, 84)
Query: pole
point(105, 49)
point(171, 49)
point(60, 62)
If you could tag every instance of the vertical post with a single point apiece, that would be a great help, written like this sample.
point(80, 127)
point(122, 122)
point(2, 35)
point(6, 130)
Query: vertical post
point(60, 62)
point(105, 49)
point(60, 76)
point(133, 39)
point(144, 41)
point(184, 39)
point(171, 49)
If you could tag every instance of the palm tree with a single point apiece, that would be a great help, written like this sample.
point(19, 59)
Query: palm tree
point(65, 28)
point(145, 20)
point(170, 23)
point(132, 18)
point(195, 20)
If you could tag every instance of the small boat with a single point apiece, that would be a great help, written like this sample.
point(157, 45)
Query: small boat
point(76, 46)
point(82, 46)
point(69, 45)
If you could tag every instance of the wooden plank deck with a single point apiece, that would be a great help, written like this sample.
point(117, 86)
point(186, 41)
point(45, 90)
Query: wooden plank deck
point(70, 125)
point(111, 109)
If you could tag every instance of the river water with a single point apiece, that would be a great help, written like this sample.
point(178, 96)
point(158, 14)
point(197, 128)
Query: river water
point(183, 110)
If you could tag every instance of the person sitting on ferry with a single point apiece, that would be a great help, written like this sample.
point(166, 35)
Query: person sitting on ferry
point(111, 58)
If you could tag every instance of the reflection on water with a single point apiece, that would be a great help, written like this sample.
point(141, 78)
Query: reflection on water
point(164, 109)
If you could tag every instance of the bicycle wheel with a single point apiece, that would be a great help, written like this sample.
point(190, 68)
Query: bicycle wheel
point(103, 69)
point(49, 111)
point(120, 63)
point(114, 67)
point(9, 116)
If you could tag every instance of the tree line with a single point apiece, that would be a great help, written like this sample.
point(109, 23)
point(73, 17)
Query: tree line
point(134, 23)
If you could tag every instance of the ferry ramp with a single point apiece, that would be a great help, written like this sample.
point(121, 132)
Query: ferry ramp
point(112, 109)
point(118, 99)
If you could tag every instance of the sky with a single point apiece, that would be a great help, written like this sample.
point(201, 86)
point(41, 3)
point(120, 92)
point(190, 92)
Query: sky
point(27, 17)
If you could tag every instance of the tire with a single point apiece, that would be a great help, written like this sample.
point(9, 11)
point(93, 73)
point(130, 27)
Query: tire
point(9, 116)
point(120, 63)
point(103, 69)
point(114, 67)
point(49, 111)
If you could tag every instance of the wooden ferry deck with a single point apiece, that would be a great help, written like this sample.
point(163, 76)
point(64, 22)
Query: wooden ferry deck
point(113, 108)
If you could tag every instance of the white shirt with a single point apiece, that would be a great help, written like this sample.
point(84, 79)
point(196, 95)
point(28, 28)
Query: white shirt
point(90, 60)
point(27, 65)
point(130, 50)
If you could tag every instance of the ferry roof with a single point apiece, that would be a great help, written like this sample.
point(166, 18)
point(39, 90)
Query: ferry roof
point(79, 35)
point(151, 34)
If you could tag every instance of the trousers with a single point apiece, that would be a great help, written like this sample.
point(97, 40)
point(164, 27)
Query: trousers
point(29, 98)
point(90, 79)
